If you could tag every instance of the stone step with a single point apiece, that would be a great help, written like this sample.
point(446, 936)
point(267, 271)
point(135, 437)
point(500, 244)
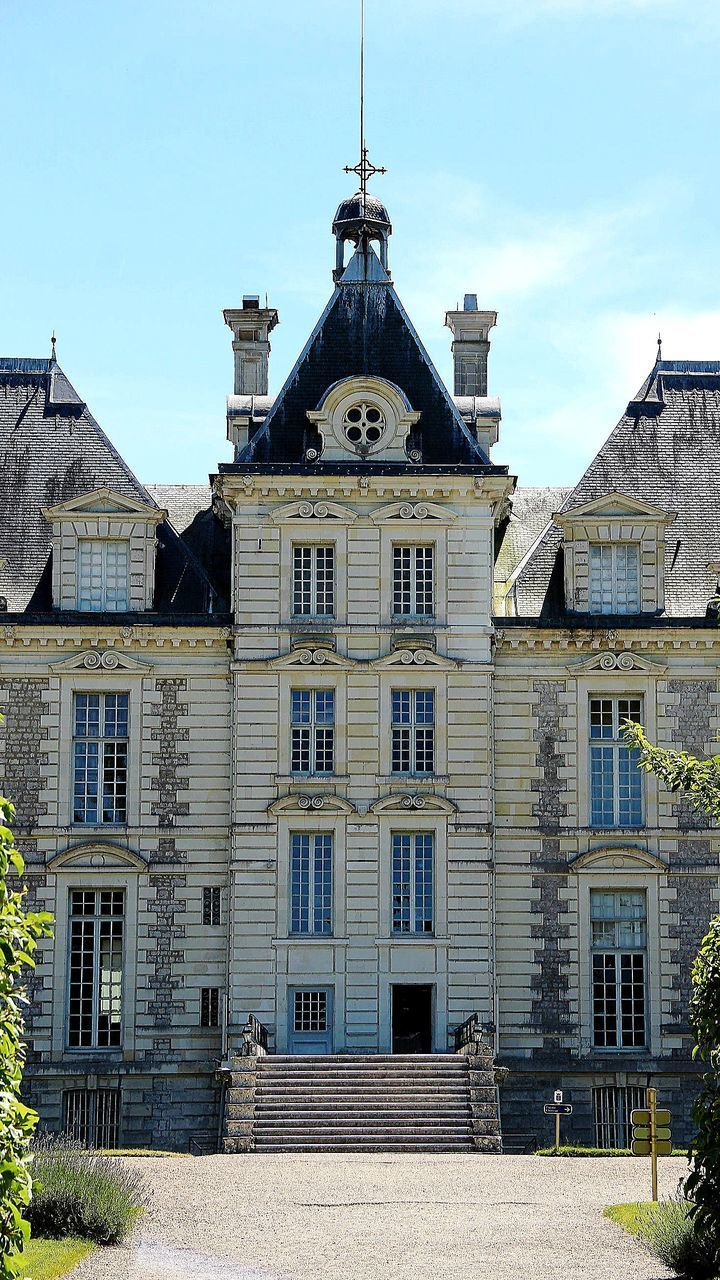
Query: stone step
point(370, 1078)
point(410, 1108)
point(369, 1059)
point(383, 1144)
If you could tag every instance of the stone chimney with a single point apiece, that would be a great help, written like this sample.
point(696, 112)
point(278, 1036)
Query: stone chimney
point(470, 329)
point(251, 325)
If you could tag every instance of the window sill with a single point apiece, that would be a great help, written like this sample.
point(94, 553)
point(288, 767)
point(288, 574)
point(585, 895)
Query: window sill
point(403, 780)
point(311, 779)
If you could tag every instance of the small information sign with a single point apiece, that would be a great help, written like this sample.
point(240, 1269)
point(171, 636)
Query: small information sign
point(558, 1109)
point(644, 1147)
point(642, 1116)
point(644, 1133)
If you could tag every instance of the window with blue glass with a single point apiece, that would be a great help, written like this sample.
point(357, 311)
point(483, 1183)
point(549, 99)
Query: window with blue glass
point(312, 747)
point(413, 731)
point(616, 783)
point(412, 881)
point(311, 882)
point(100, 757)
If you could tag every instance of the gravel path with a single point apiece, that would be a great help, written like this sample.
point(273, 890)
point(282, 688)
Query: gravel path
point(399, 1217)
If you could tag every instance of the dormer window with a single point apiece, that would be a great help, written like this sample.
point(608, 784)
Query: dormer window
point(103, 574)
point(103, 552)
point(614, 555)
point(614, 571)
point(366, 417)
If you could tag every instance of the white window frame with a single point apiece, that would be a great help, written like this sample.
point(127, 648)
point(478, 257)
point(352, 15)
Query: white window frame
point(101, 739)
point(414, 732)
point(314, 613)
point(313, 907)
point(615, 745)
point(313, 823)
point(103, 546)
point(413, 838)
point(618, 954)
point(606, 572)
point(97, 916)
point(312, 732)
point(395, 533)
point(413, 549)
point(126, 682)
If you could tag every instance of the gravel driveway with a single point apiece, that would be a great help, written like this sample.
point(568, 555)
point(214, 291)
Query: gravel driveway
point(399, 1217)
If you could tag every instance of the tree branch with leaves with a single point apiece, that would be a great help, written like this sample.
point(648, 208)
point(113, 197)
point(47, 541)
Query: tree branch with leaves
point(19, 934)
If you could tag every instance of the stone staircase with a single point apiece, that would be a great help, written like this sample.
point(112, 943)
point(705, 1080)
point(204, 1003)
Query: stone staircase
point(414, 1102)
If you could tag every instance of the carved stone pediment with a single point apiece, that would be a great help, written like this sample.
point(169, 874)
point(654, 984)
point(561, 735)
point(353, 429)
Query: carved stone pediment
point(413, 802)
point(409, 511)
point(309, 802)
point(617, 663)
point(617, 858)
point(104, 502)
point(97, 856)
point(415, 655)
point(308, 655)
point(321, 510)
point(102, 661)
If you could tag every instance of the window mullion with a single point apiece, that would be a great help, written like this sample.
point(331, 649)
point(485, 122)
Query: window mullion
point(96, 973)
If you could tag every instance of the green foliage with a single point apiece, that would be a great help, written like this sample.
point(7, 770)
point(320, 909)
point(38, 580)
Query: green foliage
point(83, 1193)
point(50, 1259)
point(671, 1231)
point(700, 780)
point(703, 1182)
point(19, 932)
point(678, 771)
point(597, 1152)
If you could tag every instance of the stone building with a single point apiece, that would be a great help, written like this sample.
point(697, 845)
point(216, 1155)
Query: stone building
point(325, 757)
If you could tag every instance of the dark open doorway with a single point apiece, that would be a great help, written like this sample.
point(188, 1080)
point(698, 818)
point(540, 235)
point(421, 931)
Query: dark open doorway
point(412, 1019)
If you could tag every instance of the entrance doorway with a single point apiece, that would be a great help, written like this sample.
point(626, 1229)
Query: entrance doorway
point(412, 1010)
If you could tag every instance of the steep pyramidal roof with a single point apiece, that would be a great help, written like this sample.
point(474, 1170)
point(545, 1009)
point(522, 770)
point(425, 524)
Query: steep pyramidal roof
point(52, 450)
point(665, 451)
point(363, 330)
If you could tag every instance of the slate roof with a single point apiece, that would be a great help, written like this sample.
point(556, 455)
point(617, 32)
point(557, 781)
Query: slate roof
point(51, 450)
point(665, 451)
point(531, 512)
point(363, 330)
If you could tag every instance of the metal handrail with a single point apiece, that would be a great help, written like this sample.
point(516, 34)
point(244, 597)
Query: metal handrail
point(255, 1035)
point(468, 1031)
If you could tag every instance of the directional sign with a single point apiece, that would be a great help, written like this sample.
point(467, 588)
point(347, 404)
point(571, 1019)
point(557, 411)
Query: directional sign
point(643, 1147)
point(642, 1116)
point(643, 1133)
point(557, 1109)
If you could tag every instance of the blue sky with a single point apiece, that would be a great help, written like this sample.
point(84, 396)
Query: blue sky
point(558, 157)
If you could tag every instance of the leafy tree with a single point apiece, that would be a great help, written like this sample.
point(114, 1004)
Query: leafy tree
point(700, 781)
point(19, 932)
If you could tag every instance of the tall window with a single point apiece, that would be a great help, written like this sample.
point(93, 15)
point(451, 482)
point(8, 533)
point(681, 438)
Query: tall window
point(210, 1007)
point(312, 746)
point(412, 882)
point(413, 580)
point(103, 574)
point(616, 790)
point(614, 577)
point(613, 1105)
point(92, 1116)
point(413, 731)
point(211, 905)
point(313, 581)
point(310, 882)
point(100, 757)
point(96, 956)
point(619, 959)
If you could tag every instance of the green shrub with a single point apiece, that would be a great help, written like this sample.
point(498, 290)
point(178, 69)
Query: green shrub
point(703, 1182)
point(82, 1193)
point(671, 1231)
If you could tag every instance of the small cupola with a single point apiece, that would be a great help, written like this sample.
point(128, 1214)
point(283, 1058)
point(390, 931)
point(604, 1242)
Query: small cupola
point(360, 219)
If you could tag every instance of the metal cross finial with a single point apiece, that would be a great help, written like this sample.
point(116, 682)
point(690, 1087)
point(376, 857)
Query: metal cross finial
point(364, 168)
point(53, 340)
point(659, 347)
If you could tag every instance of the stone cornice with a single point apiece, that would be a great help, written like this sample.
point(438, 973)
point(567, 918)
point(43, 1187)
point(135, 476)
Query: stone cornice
point(319, 487)
point(119, 639)
point(618, 642)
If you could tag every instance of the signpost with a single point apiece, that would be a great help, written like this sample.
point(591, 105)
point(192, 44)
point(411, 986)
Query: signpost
point(651, 1133)
point(557, 1109)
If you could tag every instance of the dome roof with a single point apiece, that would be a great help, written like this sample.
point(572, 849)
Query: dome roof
point(350, 212)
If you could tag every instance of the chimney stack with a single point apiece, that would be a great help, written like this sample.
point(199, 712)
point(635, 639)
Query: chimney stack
point(251, 325)
point(470, 329)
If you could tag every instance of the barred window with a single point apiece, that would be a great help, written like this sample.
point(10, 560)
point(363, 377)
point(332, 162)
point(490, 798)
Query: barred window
point(413, 580)
point(413, 731)
point(311, 882)
point(614, 577)
point(412, 882)
point(100, 757)
point(618, 921)
point(313, 580)
point(103, 575)
point(96, 960)
point(613, 1106)
point(210, 1007)
point(92, 1116)
point(211, 905)
point(312, 747)
point(616, 783)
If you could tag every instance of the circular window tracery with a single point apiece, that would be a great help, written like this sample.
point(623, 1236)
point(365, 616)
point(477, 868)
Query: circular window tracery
point(363, 425)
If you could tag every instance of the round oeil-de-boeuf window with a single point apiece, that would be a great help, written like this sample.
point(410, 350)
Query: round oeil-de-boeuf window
point(363, 425)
